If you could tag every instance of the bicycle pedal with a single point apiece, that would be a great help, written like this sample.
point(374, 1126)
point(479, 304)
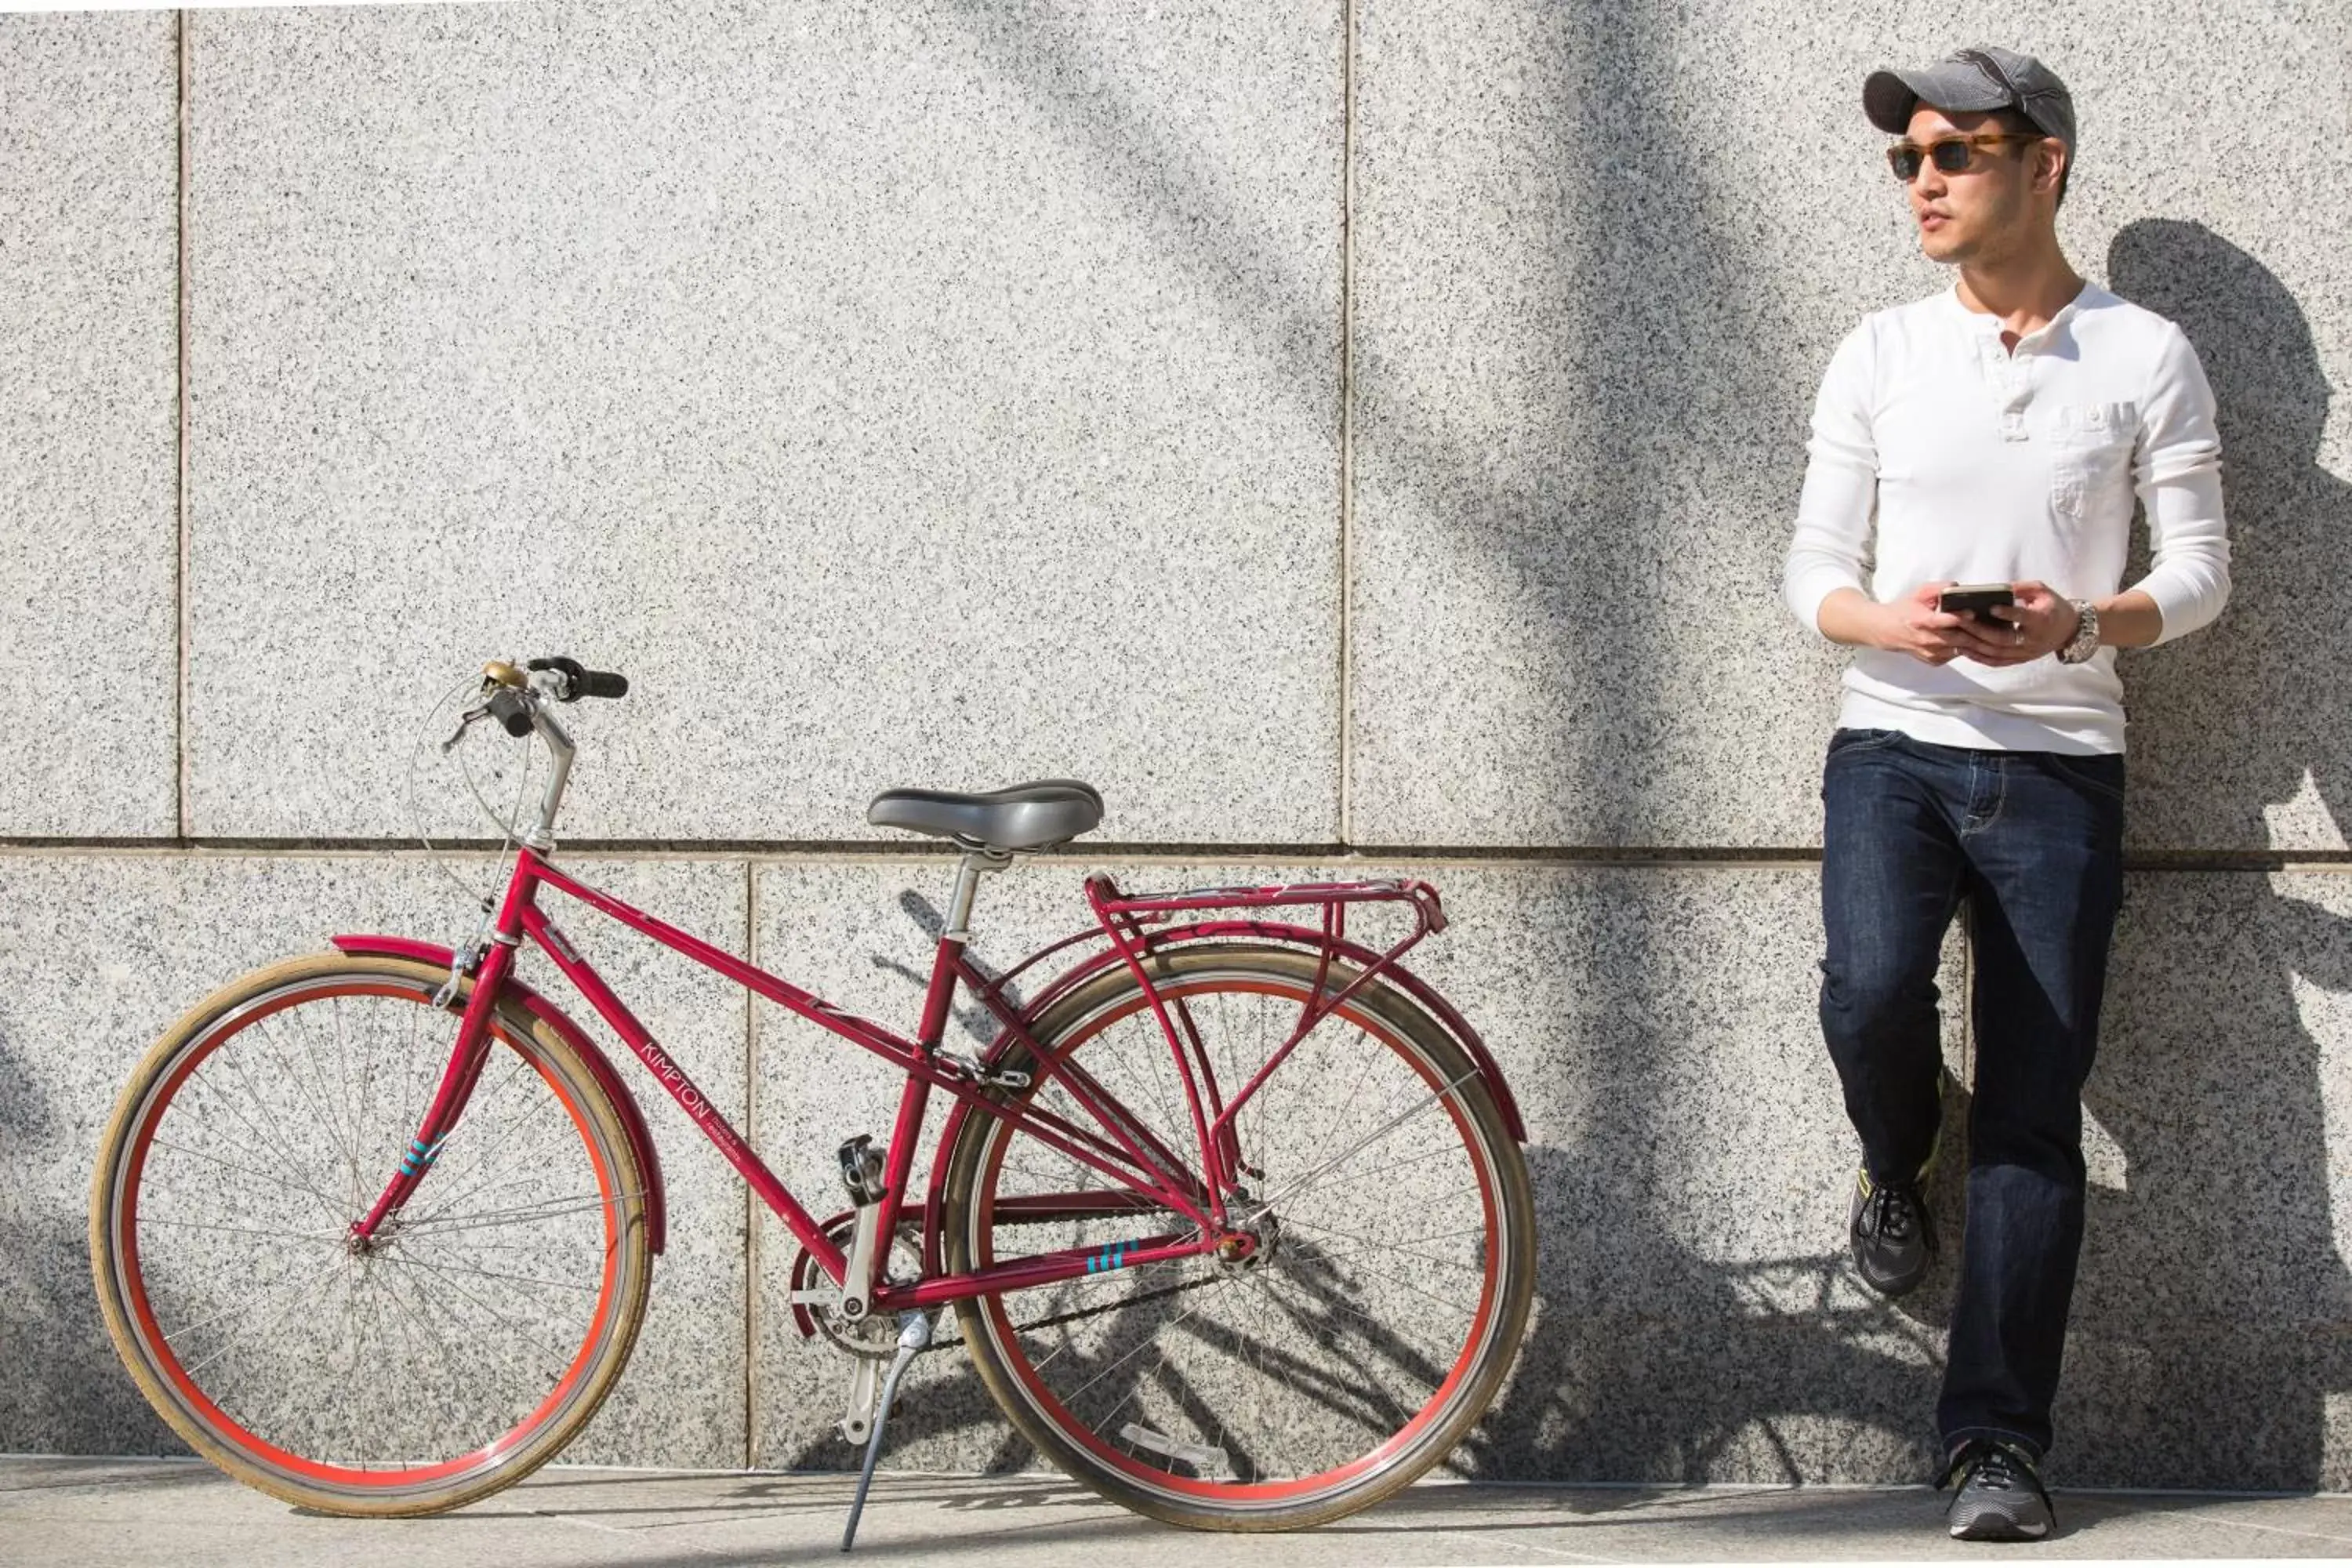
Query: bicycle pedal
point(861, 1169)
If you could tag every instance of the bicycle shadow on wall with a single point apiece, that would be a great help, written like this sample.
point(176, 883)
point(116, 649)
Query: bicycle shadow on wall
point(2212, 1070)
point(1761, 1372)
point(1648, 1362)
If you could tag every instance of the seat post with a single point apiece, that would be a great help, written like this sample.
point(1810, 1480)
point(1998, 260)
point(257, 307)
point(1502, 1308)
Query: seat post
point(968, 870)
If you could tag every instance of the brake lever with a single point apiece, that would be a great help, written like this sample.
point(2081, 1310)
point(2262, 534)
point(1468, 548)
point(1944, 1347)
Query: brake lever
point(570, 674)
point(471, 716)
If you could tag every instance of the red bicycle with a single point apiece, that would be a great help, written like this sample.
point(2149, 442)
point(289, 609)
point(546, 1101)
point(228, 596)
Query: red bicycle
point(1233, 1212)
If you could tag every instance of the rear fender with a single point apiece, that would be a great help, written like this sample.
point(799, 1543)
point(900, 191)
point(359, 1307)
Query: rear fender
point(600, 1067)
point(1446, 1016)
point(1444, 1013)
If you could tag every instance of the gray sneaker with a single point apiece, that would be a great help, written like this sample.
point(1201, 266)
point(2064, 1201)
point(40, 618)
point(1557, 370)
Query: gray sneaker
point(2001, 1498)
point(1893, 1240)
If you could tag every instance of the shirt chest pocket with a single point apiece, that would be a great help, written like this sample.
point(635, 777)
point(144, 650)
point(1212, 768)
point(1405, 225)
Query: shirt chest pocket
point(2090, 455)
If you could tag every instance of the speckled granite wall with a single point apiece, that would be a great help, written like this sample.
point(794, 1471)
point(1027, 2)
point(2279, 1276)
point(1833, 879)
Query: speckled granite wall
point(954, 394)
point(88, 374)
point(831, 369)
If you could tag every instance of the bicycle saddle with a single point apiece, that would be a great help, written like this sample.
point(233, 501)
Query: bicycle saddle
point(1027, 816)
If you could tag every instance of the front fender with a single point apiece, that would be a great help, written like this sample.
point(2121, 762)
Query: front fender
point(600, 1067)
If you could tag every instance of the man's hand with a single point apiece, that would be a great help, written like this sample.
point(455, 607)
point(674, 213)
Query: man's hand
point(2040, 624)
point(1913, 625)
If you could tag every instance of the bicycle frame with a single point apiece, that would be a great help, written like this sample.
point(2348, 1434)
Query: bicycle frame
point(1147, 1175)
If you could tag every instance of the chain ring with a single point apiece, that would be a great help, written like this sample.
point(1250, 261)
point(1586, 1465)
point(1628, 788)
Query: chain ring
point(877, 1336)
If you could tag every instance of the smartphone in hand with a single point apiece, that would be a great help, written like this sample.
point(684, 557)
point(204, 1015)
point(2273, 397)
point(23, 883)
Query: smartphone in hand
point(1975, 600)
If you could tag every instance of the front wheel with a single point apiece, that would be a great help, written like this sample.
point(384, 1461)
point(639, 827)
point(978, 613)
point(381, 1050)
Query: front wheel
point(1358, 1339)
point(452, 1354)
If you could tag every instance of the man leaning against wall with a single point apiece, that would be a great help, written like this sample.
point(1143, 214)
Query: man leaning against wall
point(1992, 435)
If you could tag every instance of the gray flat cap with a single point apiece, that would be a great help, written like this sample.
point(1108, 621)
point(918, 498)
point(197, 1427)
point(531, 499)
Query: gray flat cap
point(1972, 79)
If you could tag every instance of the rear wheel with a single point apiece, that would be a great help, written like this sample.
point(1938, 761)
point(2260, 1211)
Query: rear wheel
point(1359, 1341)
point(457, 1351)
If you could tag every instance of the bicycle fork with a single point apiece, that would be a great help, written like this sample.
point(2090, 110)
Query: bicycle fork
point(466, 1058)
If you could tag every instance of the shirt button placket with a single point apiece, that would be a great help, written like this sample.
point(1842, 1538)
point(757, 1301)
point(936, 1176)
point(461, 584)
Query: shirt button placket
point(2014, 376)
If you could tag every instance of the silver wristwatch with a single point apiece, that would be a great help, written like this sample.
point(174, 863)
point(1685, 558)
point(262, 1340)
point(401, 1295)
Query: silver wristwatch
point(2086, 635)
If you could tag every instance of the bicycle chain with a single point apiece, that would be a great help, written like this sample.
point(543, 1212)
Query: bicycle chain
point(1074, 1315)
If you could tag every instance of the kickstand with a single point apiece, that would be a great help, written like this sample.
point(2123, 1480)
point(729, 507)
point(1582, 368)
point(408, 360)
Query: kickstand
point(914, 1335)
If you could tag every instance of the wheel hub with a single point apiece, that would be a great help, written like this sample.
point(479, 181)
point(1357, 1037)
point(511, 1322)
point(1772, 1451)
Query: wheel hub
point(366, 1246)
point(1250, 1247)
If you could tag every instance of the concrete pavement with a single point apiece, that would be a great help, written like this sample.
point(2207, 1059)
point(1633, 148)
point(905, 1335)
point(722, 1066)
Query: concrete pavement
point(138, 1513)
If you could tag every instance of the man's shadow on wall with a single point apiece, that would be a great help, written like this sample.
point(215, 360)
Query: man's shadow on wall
point(2214, 1317)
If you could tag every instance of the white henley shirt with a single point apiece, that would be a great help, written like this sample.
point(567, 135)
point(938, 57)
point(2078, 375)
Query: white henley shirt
point(1984, 464)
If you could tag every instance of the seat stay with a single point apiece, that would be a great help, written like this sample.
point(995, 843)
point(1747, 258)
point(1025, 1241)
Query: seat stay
point(1166, 1169)
point(1132, 944)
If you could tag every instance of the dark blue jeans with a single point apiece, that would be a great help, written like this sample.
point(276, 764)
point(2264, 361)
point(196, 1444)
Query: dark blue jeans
point(2030, 844)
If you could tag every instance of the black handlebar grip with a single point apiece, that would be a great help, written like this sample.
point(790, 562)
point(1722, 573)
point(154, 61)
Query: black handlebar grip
point(512, 710)
point(580, 682)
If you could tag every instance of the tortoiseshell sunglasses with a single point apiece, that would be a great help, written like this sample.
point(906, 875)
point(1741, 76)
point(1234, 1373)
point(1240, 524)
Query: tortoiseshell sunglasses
point(1952, 154)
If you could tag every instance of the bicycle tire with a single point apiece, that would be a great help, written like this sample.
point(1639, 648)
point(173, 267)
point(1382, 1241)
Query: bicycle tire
point(415, 1376)
point(1192, 1411)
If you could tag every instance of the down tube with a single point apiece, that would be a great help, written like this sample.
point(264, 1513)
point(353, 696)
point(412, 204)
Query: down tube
point(690, 1099)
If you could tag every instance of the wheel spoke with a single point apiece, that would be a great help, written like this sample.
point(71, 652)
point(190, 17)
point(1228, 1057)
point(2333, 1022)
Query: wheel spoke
point(269, 1143)
point(525, 1214)
point(1301, 1184)
point(513, 1160)
point(270, 1036)
point(1370, 1243)
point(249, 1170)
point(334, 1237)
point(262, 1328)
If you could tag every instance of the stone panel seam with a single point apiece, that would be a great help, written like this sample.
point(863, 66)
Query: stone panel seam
point(839, 850)
point(1346, 412)
point(181, 153)
point(751, 1199)
point(856, 851)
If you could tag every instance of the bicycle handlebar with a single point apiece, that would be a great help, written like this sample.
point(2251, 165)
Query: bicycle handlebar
point(604, 683)
point(519, 702)
point(579, 681)
point(513, 698)
point(511, 709)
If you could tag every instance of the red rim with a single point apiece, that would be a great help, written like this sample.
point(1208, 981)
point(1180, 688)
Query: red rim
point(1272, 1493)
point(216, 1422)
